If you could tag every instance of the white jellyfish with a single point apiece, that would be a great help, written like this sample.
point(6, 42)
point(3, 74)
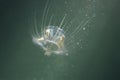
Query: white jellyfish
point(57, 39)
point(52, 40)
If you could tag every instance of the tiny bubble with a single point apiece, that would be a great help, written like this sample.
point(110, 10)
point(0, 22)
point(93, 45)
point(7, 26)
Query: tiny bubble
point(73, 66)
point(65, 2)
point(77, 43)
point(84, 28)
point(86, 15)
point(66, 54)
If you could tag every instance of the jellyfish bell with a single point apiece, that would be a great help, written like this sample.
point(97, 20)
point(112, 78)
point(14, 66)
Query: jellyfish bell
point(52, 40)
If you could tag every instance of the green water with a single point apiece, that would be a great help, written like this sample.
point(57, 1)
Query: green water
point(98, 59)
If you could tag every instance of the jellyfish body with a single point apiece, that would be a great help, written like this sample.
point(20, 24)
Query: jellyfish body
point(52, 40)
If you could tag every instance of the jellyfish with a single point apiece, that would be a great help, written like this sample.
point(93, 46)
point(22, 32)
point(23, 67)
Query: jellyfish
point(62, 37)
point(52, 40)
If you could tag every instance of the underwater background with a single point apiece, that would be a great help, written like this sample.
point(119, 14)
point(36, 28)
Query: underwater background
point(97, 57)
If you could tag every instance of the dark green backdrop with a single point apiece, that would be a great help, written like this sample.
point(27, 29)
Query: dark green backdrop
point(20, 59)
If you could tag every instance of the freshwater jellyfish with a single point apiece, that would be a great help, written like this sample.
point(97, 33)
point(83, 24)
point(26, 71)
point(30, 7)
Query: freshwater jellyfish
point(52, 40)
point(61, 38)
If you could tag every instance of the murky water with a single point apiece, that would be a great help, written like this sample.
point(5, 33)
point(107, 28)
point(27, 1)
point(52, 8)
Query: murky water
point(91, 36)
